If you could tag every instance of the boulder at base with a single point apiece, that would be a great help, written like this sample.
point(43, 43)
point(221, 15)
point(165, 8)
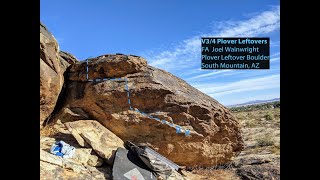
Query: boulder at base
point(215, 133)
point(102, 141)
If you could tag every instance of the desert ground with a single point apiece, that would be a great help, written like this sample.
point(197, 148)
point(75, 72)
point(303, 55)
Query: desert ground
point(260, 126)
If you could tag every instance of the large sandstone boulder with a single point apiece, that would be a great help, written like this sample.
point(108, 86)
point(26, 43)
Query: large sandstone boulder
point(53, 64)
point(215, 135)
point(104, 142)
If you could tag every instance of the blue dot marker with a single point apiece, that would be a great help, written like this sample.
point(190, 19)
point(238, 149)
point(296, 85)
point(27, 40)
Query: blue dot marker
point(87, 75)
point(178, 129)
point(187, 132)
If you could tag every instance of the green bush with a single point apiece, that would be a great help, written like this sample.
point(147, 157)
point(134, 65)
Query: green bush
point(256, 107)
point(269, 117)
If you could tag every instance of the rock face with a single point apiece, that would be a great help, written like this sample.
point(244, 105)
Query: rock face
point(73, 114)
point(52, 66)
point(51, 79)
point(69, 58)
point(104, 142)
point(215, 134)
point(108, 66)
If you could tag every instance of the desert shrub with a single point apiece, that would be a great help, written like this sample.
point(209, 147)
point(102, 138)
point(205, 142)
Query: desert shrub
point(251, 123)
point(269, 116)
point(266, 140)
point(275, 150)
point(262, 106)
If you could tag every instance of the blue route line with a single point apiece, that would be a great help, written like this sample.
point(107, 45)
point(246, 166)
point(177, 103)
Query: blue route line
point(87, 75)
point(177, 127)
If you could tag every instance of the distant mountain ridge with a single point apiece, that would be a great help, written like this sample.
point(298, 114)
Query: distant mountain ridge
point(255, 102)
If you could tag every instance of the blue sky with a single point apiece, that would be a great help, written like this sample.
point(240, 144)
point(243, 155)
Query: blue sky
point(167, 33)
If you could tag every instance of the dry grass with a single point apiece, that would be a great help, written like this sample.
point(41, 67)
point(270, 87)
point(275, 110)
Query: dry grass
point(218, 174)
point(275, 150)
point(261, 133)
point(251, 123)
point(261, 117)
point(266, 140)
point(261, 130)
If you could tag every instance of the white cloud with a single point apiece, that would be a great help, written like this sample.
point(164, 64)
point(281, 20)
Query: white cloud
point(263, 23)
point(275, 54)
point(210, 74)
point(275, 59)
point(251, 84)
point(274, 44)
point(187, 53)
point(184, 60)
